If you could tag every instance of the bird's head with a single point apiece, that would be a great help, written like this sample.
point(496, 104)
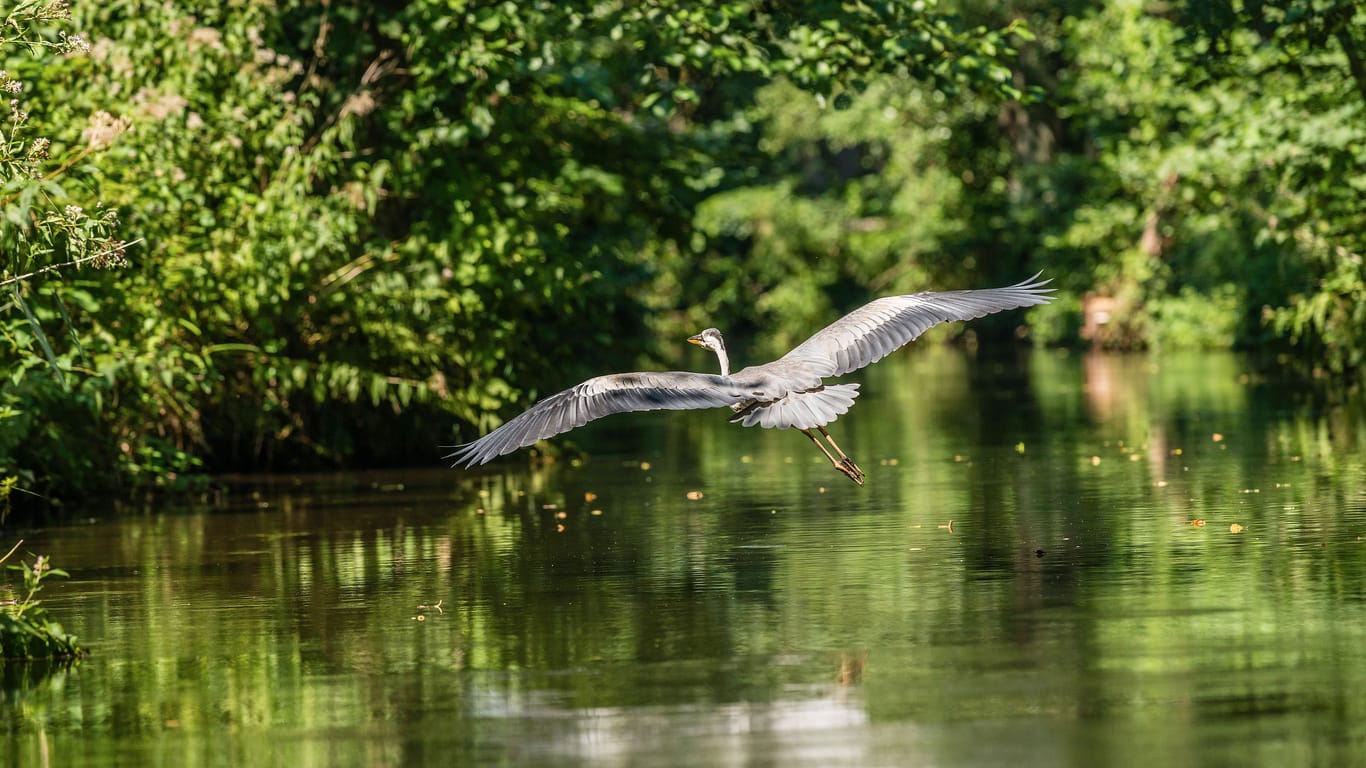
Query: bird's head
point(709, 339)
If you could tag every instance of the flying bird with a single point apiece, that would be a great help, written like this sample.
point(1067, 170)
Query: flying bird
point(788, 392)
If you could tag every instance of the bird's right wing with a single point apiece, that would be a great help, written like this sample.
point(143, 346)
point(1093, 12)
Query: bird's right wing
point(884, 325)
point(598, 397)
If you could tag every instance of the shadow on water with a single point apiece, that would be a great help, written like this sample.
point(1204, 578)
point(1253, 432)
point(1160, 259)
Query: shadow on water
point(1064, 560)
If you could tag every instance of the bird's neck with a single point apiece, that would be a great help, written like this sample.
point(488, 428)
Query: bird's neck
point(723, 358)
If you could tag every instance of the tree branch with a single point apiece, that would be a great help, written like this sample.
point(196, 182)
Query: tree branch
point(72, 263)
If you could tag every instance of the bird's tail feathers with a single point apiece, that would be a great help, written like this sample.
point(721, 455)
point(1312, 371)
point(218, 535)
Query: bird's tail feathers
point(804, 410)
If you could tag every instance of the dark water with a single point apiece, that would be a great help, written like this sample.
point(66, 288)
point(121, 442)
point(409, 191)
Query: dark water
point(1061, 560)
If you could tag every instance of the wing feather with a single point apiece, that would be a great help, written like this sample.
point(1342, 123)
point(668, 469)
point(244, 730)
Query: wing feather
point(884, 325)
point(598, 397)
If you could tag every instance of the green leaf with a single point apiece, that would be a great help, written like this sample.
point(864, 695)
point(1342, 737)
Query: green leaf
point(39, 335)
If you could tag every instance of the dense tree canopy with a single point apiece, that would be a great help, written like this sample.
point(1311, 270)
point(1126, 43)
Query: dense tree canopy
point(359, 228)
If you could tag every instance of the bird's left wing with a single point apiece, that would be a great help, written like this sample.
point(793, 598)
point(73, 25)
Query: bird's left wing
point(598, 397)
point(882, 326)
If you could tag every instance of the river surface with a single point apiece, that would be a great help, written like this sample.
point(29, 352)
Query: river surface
point(1061, 560)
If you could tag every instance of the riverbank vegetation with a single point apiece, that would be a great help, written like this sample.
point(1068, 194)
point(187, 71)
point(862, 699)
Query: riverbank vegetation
point(26, 631)
point(301, 234)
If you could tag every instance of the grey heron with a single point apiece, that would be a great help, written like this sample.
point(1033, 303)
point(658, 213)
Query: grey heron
point(788, 392)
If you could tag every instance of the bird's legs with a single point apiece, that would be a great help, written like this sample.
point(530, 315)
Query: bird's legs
point(844, 463)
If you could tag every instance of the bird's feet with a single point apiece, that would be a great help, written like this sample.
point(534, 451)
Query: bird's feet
point(849, 468)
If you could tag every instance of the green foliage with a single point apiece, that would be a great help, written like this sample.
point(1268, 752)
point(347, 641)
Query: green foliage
point(26, 632)
point(1194, 320)
point(45, 226)
point(1217, 211)
point(42, 227)
point(364, 224)
point(841, 205)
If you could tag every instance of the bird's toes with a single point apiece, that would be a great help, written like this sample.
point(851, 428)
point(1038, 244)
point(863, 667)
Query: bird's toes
point(851, 470)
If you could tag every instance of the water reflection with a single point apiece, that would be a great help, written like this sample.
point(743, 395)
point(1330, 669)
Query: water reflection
point(1042, 569)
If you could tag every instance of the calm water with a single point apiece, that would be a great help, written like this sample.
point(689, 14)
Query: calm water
point(1061, 560)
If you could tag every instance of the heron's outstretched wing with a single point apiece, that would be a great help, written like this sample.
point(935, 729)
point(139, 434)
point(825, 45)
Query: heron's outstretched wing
point(884, 325)
point(598, 397)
